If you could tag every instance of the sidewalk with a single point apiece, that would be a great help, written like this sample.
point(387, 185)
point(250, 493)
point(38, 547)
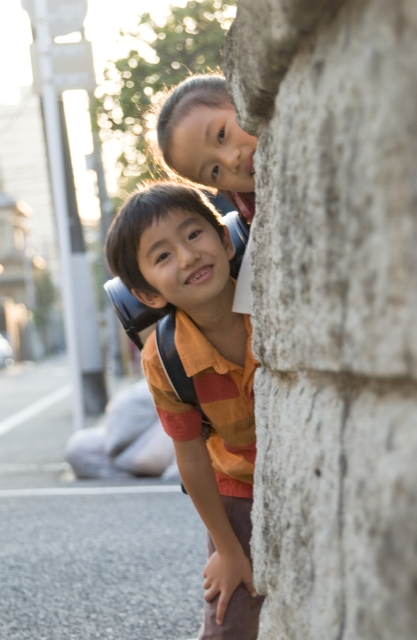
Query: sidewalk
point(36, 422)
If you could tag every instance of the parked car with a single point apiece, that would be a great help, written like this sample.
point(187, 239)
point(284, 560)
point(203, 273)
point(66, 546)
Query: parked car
point(6, 353)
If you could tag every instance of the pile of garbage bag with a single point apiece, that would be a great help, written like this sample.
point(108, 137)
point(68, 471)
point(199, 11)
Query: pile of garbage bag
point(132, 441)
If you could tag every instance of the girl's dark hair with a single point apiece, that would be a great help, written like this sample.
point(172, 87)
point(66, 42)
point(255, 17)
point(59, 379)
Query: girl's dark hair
point(207, 90)
point(150, 204)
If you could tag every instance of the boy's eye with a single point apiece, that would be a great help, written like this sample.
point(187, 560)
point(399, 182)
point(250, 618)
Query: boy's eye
point(162, 257)
point(194, 234)
point(215, 172)
point(221, 134)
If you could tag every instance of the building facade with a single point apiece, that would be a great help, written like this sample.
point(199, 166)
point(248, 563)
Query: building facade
point(24, 172)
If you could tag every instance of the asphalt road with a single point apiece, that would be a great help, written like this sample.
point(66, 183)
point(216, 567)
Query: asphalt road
point(122, 566)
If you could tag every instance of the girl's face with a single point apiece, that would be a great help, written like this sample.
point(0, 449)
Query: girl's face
point(209, 147)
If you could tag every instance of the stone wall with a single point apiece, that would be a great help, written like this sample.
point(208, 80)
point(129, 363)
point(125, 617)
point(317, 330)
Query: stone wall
point(330, 88)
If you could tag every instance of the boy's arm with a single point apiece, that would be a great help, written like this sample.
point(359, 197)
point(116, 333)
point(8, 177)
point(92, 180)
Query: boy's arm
point(228, 566)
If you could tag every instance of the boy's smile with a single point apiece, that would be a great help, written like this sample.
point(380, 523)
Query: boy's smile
point(210, 148)
point(200, 274)
point(185, 260)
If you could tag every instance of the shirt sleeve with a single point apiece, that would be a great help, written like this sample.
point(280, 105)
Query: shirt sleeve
point(181, 421)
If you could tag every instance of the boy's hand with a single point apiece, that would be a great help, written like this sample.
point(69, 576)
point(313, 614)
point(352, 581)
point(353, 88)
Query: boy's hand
point(228, 566)
point(223, 573)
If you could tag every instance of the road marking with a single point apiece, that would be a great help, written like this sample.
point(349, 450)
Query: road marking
point(89, 491)
point(33, 467)
point(33, 409)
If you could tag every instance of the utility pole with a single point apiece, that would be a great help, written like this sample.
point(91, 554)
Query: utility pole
point(57, 173)
point(58, 67)
point(95, 162)
point(91, 361)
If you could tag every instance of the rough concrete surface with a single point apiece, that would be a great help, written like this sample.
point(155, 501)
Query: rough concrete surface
point(335, 329)
point(335, 526)
point(337, 201)
point(259, 49)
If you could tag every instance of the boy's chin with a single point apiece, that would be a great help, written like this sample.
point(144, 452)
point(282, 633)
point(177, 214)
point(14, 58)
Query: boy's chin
point(211, 295)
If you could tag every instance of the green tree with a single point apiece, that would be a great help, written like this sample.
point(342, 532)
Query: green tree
point(161, 56)
point(44, 318)
point(45, 296)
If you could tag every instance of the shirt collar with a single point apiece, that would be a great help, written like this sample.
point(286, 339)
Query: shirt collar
point(197, 353)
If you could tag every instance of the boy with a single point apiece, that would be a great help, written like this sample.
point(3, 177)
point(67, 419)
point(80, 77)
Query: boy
point(168, 246)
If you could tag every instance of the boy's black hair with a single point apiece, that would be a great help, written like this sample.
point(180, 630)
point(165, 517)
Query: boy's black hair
point(207, 90)
point(145, 206)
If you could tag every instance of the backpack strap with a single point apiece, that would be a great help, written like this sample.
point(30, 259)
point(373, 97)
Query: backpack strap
point(174, 369)
point(175, 372)
point(171, 362)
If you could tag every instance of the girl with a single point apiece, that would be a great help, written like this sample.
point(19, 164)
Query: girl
point(200, 140)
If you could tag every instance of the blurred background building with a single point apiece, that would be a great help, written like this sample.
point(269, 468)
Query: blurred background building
point(24, 169)
point(29, 315)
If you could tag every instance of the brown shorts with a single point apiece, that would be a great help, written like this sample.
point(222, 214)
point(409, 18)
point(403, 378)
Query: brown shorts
point(242, 616)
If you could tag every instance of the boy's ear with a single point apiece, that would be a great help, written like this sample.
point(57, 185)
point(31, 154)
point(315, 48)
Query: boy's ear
point(228, 244)
point(153, 300)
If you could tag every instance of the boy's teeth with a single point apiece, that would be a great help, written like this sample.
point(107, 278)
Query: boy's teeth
point(199, 275)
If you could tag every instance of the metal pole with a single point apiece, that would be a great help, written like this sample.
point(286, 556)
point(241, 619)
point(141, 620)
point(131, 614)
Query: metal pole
point(56, 166)
point(91, 359)
point(114, 350)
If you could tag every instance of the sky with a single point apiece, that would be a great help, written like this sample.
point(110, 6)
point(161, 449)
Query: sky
point(104, 20)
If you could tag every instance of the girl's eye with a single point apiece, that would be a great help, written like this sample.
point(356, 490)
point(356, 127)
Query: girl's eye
point(162, 257)
point(221, 134)
point(215, 172)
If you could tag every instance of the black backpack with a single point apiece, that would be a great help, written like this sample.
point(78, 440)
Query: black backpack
point(136, 316)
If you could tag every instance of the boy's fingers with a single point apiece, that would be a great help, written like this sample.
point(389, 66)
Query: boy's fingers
point(210, 594)
point(249, 586)
point(221, 607)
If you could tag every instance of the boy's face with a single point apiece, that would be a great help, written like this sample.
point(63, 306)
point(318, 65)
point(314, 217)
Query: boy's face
point(185, 260)
point(210, 148)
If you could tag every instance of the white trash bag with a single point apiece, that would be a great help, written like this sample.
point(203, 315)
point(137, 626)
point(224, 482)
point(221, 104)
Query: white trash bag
point(86, 454)
point(129, 414)
point(133, 441)
point(171, 473)
point(148, 455)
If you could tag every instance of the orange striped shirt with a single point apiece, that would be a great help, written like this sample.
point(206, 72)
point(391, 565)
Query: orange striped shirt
point(225, 394)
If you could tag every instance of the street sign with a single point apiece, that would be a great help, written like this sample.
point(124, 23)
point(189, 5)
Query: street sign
point(72, 66)
point(65, 16)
